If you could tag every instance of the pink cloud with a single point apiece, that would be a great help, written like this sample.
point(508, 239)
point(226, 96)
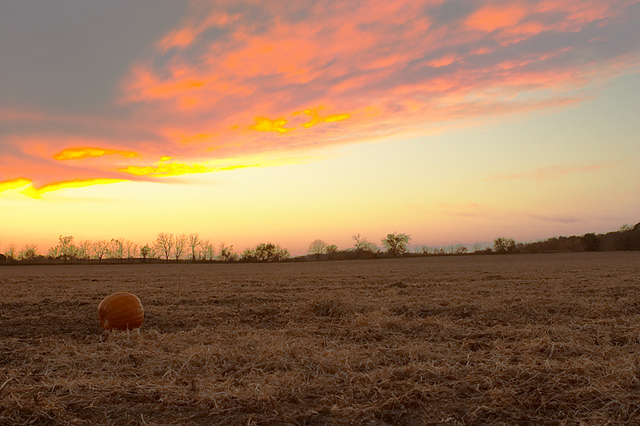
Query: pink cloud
point(192, 27)
point(250, 77)
point(493, 17)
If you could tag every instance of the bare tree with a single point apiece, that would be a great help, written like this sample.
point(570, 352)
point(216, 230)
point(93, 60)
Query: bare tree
point(202, 251)
point(194, 243)
point(29, 253)
point(66, 249)
point(318, 248)
point(396, 243)
point(211, 251)
point(226, 253)
point(145, 251)
point(461, 248)
point(249, 255)
point(84, 249)
point(362, 244)
point(164, 244)
point(281, 253)
point(128, 248)
point(207, 252)
point(100, 249)
point(53, 252)
point(10, 252)
point(116, 248)
point(180, 244)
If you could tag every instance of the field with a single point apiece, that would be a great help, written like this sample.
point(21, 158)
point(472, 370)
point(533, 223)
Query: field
point(521, 339)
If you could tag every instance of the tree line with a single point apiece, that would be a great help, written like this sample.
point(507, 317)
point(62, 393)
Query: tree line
point(627, 238)
point(191, 247)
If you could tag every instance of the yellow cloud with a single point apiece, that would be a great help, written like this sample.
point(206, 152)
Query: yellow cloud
point(26, 186)
point(264, 124)
point(316, 118)
point(84, 152)
point(14, 184)
point(336, 117)
point(166, 169)
point(36, 193)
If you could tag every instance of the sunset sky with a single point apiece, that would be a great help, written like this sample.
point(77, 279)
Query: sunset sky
point(289, 120)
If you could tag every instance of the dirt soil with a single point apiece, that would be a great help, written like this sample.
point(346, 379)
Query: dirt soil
point(548, 339)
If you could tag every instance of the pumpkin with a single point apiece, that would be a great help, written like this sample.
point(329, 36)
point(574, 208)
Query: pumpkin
point(120, 311)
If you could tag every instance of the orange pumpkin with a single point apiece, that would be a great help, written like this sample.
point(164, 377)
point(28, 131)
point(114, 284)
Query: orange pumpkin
point(120, 311)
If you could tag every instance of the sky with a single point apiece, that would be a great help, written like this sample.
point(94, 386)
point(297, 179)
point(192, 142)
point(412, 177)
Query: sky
point(287, 121)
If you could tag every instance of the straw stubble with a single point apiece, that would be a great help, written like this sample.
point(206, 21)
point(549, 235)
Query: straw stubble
point(547, 339)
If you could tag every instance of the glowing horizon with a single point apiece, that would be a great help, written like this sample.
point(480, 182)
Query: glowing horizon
point(216, 98)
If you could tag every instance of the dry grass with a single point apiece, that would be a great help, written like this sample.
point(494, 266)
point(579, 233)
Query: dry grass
point(546, 339)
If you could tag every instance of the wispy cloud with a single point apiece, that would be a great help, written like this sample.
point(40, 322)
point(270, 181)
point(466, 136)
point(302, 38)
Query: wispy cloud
point(281, 77)
point(558, 219)
point(81, 153)
point(468, 210)
point(168, 168)
point(27, 187)
point(13, 184)
point(549, 173)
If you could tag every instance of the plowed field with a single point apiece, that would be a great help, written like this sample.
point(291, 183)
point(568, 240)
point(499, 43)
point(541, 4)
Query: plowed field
point(474, 340)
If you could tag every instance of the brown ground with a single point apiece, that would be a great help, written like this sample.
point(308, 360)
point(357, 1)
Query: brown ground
point(520, 339)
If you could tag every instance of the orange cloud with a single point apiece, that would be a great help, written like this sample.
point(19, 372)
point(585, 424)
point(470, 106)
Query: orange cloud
point(264, 124)
point(81, 153)
point(185, 36)
point(26, 186)
point(236, 79)
point(269, 72)
point(491, 18)
point(179, 38)
point(181, 85)
point(442, 61)
point(198, 138)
